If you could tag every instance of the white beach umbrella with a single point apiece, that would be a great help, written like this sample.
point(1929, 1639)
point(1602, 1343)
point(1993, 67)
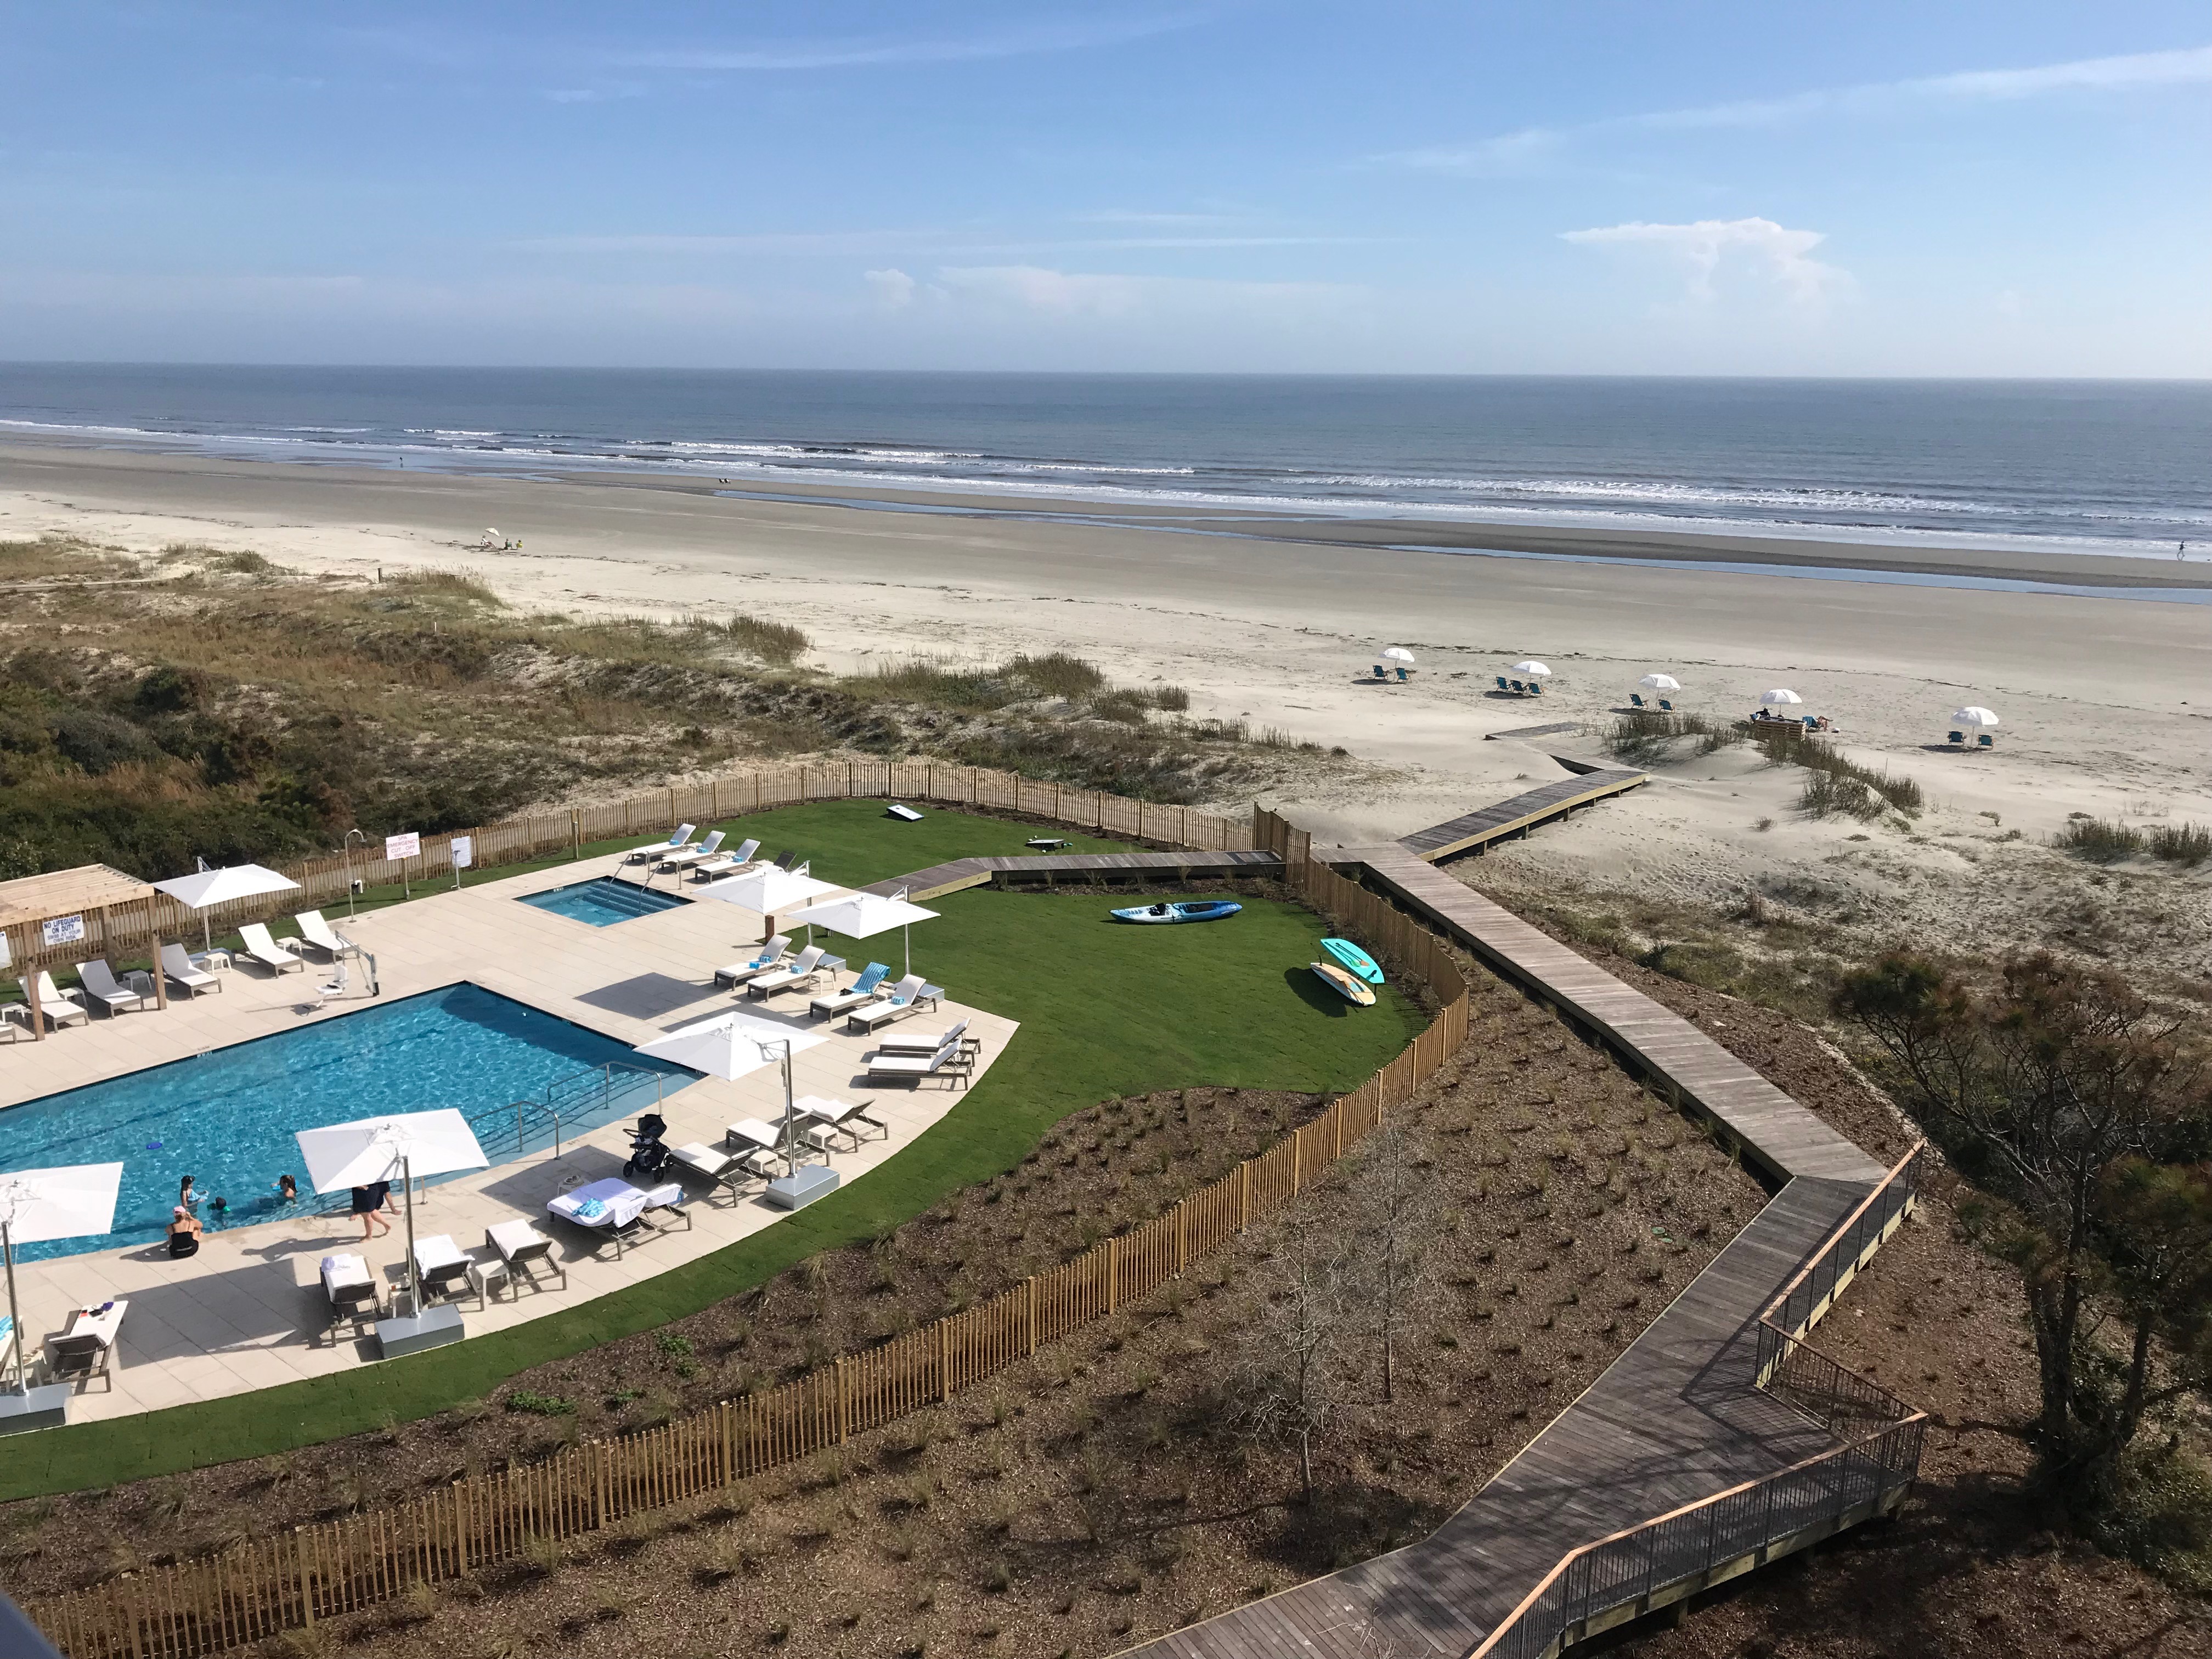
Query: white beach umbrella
point(1974, 714)
point(37, 1205)
point(1780, 695)
point(1397, 653)
point(769, 891)
point(212, 887)
point(863, 915)
point(1660, 683)
point(728, 1046)
point(733, 1044)
point(1532, 671)
point(400, 1148)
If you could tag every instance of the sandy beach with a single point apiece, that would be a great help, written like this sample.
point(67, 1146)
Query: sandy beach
point(2095, 692)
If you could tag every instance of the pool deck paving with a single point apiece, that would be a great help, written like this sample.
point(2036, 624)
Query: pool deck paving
point(247, 1311)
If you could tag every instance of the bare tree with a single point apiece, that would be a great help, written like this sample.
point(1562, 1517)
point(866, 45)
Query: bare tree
point(1397, 1209)
point(2078, 1104)
point(1293, 1376)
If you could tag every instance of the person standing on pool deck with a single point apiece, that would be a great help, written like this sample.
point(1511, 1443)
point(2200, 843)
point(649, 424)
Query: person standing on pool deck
point(366, 1201)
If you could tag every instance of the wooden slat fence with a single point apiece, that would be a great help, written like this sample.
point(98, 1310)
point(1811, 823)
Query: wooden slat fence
point(320, 1572)
point(128, 930)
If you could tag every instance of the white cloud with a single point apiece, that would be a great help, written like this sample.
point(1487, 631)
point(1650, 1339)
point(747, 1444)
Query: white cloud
point(1772, 251)
point(1529, 148)
point(893, 288)
point(1020, 40)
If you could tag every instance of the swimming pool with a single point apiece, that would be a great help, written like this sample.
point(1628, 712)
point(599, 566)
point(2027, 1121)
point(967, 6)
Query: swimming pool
point(602, 901)
point(226, 1117)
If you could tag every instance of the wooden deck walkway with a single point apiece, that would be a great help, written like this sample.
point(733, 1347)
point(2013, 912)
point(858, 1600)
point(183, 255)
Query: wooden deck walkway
point(1476, 830)
point(1676, 1418)
point(942, 879)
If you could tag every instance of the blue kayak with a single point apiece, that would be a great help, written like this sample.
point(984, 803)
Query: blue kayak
point(1351, 955)
point(1192, 910)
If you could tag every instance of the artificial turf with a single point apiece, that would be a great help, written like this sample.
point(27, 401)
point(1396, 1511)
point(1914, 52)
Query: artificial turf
point(1105, 1009)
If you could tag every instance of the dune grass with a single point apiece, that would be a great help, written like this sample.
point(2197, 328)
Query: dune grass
point(1106, 1010)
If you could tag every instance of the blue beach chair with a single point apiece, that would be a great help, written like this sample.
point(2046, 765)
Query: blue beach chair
point(1535, 688)
point(1957, 738)
point(1986, 741)
point(1501, 682)
point(1637, 697)
point(1666, 706)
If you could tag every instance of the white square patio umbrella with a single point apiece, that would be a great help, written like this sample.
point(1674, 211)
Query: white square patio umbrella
point(730, 1046)
point(209, 888)
point(399, 1148)
point(768, 891)
point(37, 1205)
point(863, 915)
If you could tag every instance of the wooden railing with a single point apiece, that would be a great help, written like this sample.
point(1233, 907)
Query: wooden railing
point(130, 929)
point(1674, 1554)
point(316, 1572)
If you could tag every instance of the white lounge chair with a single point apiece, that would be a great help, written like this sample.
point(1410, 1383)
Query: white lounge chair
point(614, 1209)
point(921, 1044)
point(314, 931)
point(837, 1117)
point(728, 862)
point(691, 855)
point(259, 947)
point(100, 984)
point(727, 1171)
point(60, 1007)
point(909, 995)
point(678, 839)
point(181, 972)
point(350, 1287)
point(770, 957)
point(439, 1266)
point(912, 1068)
point(518, 1244)
point(863, 989)
point(800, 972)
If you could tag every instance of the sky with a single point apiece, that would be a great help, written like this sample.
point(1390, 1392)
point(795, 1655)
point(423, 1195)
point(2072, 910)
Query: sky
point(1631, 186)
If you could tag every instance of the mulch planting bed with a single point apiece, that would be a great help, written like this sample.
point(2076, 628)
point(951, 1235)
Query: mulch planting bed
point(1112, 1488)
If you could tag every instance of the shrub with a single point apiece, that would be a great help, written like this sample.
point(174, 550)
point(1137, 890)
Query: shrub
point(1171, 699)
point(1056, 674)
point(2100, 842)
point(539, 1405)
point(779, 643)
point(459, 583)
point(2186, 844)
point(1645, 735)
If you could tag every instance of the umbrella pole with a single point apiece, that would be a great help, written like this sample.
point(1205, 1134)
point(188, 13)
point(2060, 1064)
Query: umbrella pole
point(14, 1313)
point(790, 1164)
point(414, 1284)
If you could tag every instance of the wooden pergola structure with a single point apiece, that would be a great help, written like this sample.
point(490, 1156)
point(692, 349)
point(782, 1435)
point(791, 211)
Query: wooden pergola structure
point(65, 913)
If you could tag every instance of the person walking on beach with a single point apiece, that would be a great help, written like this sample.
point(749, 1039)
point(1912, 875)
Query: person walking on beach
point(366, 1201)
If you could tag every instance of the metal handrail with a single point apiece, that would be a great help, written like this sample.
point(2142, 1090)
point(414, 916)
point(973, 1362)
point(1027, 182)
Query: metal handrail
point(1627, 1566)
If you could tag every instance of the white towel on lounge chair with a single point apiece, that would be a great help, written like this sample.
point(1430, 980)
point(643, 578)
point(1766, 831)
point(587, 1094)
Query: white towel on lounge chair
point(897, 1005)
point(607, 1205)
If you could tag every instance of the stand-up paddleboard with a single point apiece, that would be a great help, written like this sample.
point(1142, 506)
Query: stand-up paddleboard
point(1348, 955)
point(1352, 990)
point(1192, 910)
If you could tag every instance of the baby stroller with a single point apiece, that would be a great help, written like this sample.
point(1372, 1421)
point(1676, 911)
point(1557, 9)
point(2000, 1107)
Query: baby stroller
point(647, 1157)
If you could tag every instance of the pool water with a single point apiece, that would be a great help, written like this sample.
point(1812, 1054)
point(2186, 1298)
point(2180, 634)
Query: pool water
point(604, 901)
point(226, 1118)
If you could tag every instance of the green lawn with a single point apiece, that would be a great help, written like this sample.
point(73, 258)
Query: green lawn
point(1106, 1009)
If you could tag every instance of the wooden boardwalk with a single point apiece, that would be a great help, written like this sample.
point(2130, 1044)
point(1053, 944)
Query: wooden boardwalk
point(942, 879)
point(1676, 1418)
point(1476, 830)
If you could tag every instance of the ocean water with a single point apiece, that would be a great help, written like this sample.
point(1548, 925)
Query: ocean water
point(2123, 467)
